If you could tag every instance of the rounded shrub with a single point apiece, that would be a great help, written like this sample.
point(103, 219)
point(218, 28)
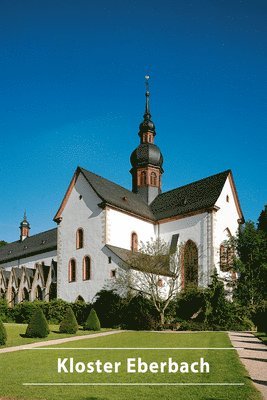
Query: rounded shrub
point(109, 308)
point(2, 333)
point(38, 326)
point(92, 323)
point(69, 323)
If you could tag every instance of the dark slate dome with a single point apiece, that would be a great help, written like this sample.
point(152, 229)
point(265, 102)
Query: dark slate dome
point(147, 125)
point(146, 153)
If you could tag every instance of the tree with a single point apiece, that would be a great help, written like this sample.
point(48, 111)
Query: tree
point(92, 323)
point(38, 326)
point(251, 265)
point(69, 323)
point(3, 336)
point(2, 243)
point(262, 220)
point(154, 272)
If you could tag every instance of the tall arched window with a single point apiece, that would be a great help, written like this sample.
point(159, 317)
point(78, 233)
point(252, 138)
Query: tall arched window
point(86, 268)
point(134, 242)
point(72, 270)
point(190, 264)
point(25, 295)
point(226, 257)
point(79, 239)
point(143, 178)
point(38, 293)
point(153, 179)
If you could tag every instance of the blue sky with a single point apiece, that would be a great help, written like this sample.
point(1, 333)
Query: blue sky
point(72, 93)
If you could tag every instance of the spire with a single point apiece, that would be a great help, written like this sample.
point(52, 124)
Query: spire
point(147, 126)
point(147, 159)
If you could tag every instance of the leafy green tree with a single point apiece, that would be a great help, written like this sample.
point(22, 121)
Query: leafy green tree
point(92, 323)
point(69, 323)
point(38, 326)
point(3, 335)
point(262, 221)
point(2, 243)
point(217, 307)
point(251, 265)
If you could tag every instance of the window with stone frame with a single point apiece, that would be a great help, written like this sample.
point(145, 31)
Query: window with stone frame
point(226, 256)
point(143, 178)
point(72, 270)
point(86, 268)
point(190, 264)
point(153, 179)
point(79, 238)
point(134, 242)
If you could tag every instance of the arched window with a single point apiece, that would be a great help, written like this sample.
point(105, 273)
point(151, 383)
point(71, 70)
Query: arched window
point(153, 179)
point(190, 264)
point(72, 270)
point(226, 256)
point(38, 293)
point(79, 239)
point(134, 242)
point(53, 291)
point(25, 295)
point(86, 268)
point(143, 178)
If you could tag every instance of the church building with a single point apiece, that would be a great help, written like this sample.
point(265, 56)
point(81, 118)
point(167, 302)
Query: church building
point(99, 223)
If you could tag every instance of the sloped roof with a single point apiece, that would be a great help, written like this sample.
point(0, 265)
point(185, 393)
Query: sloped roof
point(36, 244)
point(127, 255)
point(195, 196)
point(117, 195)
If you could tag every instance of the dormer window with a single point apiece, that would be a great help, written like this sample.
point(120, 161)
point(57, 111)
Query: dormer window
point(79, 238)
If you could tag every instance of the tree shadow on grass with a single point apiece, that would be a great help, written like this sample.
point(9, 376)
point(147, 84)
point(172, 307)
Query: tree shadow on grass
point(264, 383)
point(254, 359)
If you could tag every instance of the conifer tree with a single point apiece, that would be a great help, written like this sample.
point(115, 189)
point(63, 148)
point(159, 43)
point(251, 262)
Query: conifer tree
point(69, 323)
point(38, 326)
point(262, 221)
point(92, 323)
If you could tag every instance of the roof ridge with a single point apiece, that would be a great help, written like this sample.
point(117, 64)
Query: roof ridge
point(192, 183)
point(114, 183)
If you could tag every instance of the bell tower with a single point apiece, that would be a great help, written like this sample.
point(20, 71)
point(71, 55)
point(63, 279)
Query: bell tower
point(147, 159)
point(24, 228)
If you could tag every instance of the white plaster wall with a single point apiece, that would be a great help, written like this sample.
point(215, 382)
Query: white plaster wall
point(86, 214)
point(196, 229)
point(30, 262)
point(120, 227)
point(225, 218)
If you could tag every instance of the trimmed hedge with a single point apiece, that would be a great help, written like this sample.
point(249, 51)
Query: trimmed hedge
point(69, 323)
point(38, 326)
point(92, 323)
point(3, 336)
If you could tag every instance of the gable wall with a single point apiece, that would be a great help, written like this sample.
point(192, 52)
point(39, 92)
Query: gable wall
point(226, 217)
point(86, 214)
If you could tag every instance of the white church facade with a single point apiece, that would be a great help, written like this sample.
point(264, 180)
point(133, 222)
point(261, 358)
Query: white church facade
point(100, 223)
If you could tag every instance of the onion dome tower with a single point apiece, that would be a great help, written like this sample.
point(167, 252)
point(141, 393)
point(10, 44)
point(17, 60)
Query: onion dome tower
point(24, 228)
point(147, 159)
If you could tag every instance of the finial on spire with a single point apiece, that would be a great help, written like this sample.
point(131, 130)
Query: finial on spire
point(147, 114)
point(25, 216)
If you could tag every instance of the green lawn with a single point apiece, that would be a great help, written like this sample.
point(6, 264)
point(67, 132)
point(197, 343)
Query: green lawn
point(262, 336)
point(41, 366)
point(15, 330)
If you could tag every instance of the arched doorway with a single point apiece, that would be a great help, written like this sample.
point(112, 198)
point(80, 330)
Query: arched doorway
point(25, 295)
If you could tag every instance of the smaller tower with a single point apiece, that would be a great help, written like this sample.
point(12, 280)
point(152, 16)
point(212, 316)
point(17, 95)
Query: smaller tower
point(24, 228)
point(147, 159)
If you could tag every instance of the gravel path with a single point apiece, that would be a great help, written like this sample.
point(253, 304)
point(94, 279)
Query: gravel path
point(254, 357)
point(57, 341)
